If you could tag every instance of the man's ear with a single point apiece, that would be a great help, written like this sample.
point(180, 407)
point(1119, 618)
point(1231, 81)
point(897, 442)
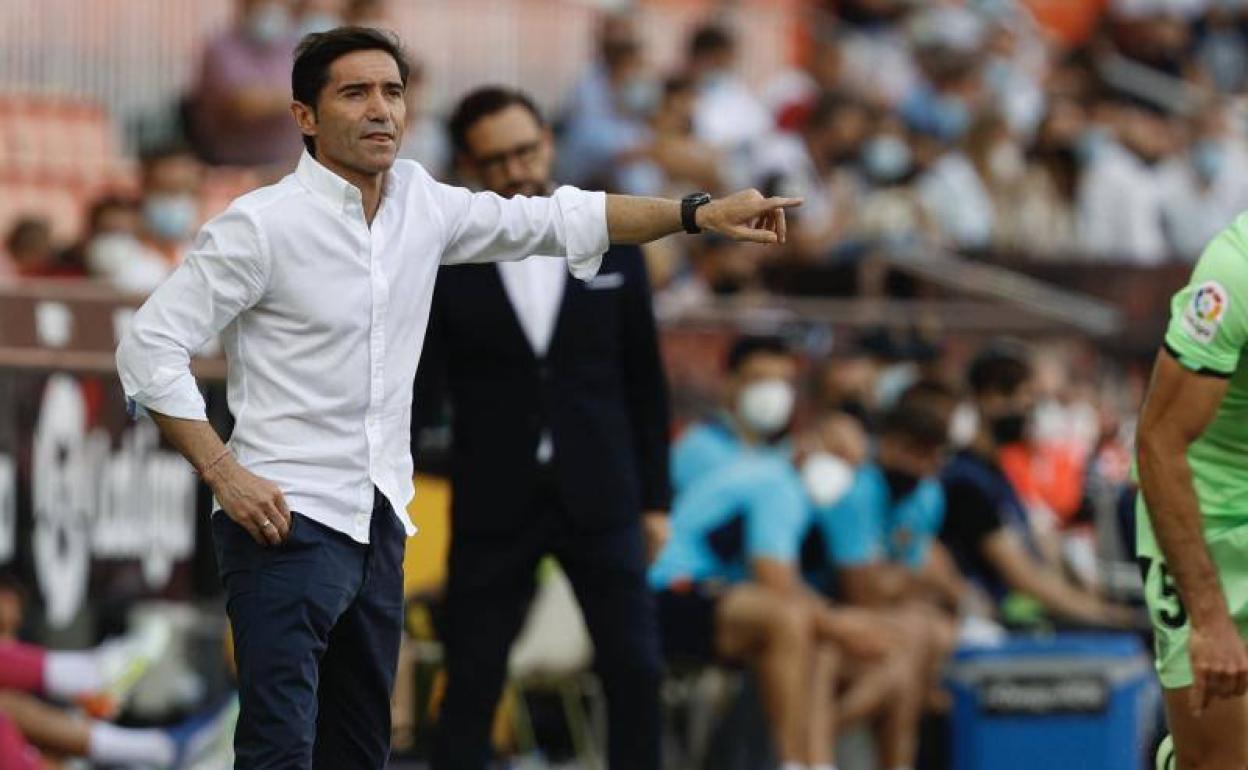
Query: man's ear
point(305, 118)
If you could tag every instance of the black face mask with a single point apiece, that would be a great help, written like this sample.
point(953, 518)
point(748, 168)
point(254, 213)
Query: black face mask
point(1008, 428)
point(900, 483)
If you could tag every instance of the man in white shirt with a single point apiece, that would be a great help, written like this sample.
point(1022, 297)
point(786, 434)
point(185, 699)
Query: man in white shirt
point(320, 286)
point(559, 426)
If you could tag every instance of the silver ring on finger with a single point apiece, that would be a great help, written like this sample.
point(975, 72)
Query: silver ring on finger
point(267, 524)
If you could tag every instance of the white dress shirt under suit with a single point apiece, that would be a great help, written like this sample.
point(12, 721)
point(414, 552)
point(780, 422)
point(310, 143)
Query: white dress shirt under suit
point(322, 319)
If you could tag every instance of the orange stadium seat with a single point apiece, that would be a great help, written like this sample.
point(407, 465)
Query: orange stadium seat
point(56, 154)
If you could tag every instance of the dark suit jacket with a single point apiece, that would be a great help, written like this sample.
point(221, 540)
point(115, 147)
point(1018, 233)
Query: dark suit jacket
point(600, 390)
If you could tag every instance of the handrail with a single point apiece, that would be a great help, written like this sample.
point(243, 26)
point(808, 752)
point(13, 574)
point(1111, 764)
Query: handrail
point(1067, 308)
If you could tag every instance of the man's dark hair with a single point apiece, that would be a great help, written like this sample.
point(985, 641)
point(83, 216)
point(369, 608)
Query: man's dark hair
point(709, 39)
point(919, 422)
point(829, 105)
point(27, 231)
point(151, 158)
point(753, 344)
point(11, 583)
point(318, 51)
point(482, 103)
point(999, 368)
point(106, 203)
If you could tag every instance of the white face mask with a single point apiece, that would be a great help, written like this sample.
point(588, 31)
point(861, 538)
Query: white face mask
point(766, 406)
point(963, 425)
point(827, 478)
point(1006, 161)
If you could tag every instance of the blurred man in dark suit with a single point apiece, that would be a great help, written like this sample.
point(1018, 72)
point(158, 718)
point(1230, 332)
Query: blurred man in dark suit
point(560, 440)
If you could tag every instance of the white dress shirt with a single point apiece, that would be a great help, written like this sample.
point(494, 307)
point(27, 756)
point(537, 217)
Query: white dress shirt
point(323, 319)
point(535, 288)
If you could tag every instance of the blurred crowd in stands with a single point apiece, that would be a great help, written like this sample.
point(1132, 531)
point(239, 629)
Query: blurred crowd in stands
point(966, 125)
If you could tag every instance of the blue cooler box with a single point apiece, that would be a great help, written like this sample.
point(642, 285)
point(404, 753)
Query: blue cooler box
point(1068, 702)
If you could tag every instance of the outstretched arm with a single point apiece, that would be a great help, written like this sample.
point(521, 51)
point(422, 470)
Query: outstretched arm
point(742, 216)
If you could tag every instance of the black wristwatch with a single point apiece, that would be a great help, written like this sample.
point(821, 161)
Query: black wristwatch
point(688, 208)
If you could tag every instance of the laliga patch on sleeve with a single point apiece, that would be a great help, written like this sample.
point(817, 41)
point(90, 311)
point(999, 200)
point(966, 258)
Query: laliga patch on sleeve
point(1205, 312)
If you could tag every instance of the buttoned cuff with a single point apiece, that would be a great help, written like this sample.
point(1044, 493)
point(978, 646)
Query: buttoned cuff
point(584, 215)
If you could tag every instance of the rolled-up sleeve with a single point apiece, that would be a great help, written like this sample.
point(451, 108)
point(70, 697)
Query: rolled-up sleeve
point(484, 227)
point(224, 274)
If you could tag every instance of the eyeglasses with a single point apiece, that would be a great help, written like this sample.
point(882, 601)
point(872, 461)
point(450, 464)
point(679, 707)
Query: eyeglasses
point(525, 153)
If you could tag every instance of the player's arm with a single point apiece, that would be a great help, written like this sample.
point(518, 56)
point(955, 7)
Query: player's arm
point(1179, 405)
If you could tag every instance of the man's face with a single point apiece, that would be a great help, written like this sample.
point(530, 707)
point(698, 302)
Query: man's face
point(360, 114)
point(509, 152)
point(1006, 415)
point(762, 393)
point(906, 456)
point(173, 175)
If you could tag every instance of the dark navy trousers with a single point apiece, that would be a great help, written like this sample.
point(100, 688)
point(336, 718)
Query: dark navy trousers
point(316, 623)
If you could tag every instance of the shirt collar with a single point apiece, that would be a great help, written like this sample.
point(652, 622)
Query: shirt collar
point(335, 190)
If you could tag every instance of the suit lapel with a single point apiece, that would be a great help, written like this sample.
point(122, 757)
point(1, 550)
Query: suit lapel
point(564, 309)
point(494, 286)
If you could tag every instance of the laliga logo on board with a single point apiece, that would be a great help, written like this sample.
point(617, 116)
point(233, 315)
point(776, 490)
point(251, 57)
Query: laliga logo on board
point(93, 501)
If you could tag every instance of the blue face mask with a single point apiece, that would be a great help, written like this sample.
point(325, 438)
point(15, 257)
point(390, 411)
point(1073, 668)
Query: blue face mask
point(170, 217)
point(1092, 143)
point(886, 158)
point(269, 24)
point(638, 96)
point(318, 22)
point(1208, 157)
point(952, 117)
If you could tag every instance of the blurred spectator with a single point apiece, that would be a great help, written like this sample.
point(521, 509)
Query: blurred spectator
point(891, 210)
point(759, 396)
point(1155, 33)
point(368, 13)
point(317, 16)
point(1222, 50)
point(32, 252)
point(138, 259)
point(945, 104)
point(605, 115)
point(815, 164)
point(957, 190)
point(727, 114)
point(112, 251)
point(877, 60)
point(1206, 187)
point(686, 163)
point(1016, 64)
point(986, 529)
point(172, 182)
point(1037, 216)
point(240, 108)
point(792, 95)
point(424, 139)
point(1121, 190)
